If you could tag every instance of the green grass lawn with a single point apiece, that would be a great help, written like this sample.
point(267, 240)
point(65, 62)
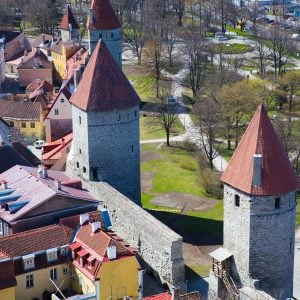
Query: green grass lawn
point(148, 132)
point(222, 148)
point(144, 85)
point(232, 48)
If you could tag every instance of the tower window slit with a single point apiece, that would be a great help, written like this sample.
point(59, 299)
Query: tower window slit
point(237, 200)
point(277, 202)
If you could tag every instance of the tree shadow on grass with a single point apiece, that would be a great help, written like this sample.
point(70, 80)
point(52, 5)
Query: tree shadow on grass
point(195, 230)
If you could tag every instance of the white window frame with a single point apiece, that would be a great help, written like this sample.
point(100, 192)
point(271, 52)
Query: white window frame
point(51, 255)
point(54, 274)
point(29, 281)
point(28, 261)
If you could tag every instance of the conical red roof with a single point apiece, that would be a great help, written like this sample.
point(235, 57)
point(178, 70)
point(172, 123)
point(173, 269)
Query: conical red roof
point(104, 16)
point(278, 176)
point(67, 19)
point(103, 86)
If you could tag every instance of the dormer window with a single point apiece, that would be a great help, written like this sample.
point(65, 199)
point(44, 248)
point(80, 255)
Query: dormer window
point(51, 255)
point(64, 250)
point(28, 261)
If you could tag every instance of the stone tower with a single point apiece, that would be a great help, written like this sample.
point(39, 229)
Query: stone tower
point(259, 212)
point(105, 113)
point(103, 24)
point(69, 29)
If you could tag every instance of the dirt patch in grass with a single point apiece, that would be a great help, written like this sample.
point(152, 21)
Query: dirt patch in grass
point(185, 202)
point(146, 181)
point(146, 156)
point(134, 70)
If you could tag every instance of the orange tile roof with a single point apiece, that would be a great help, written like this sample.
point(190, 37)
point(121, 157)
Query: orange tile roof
point(67, 19)
point(103, 86)
point(104, 16)
point(278, 176)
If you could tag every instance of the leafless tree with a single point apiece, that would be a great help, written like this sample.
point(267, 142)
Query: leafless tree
point(208, 119)
point(179, 6)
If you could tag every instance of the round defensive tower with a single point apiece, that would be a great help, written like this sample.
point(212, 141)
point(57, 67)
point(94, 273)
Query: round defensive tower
point(105, 112)
point(259, 211)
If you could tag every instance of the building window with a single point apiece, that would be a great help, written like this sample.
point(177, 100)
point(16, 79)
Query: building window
point(119, 117)
point(29, 281)
point(84, 169)
point(28, 261)
point(56, 111)
point(32, 125)
point(131, 148)
point(51, 255)
point(277, 202)
point(23, 125)
point(77, 165)
point(62, 100)
point(80, 120)
point(237, 200)
point(112, 35)
point(11, 124)
point(65, 271)
point(53, 274)
point(79, 151)
point(100, 35)
point(135, 113)
point(64, 250)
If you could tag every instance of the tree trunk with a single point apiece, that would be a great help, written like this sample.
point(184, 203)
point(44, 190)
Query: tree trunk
point(168, 137)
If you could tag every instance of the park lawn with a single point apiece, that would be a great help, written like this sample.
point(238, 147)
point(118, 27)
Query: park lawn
point(178, 171)
point(232, 48)
point(148, 132)
point(239, 32)
point(144, 85)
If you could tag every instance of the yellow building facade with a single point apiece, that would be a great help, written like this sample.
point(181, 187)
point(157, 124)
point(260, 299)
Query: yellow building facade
point(25, 290)
point(8, 294)
point(118, 278)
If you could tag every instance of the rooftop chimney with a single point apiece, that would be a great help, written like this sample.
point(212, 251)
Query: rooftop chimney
point(112, 252)
point(95, 226)
point(175, 293)
point(77, 77)
point(91, 16)
point(58, 184)
point(3, 185)
point(83, 218)
point(257, 170)
point(45, 172)
point(40, 171)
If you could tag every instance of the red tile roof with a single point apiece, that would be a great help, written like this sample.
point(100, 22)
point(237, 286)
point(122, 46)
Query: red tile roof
point(278, 176)
point(93, 246)
point(103, 86)
point(35, 240)
point(162, 296)
point(104, 16)
point(67, 19)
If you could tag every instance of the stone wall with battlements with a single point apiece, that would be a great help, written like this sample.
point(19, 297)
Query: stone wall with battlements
point(159, 246)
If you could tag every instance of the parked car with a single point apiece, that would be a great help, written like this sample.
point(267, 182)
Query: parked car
point(39, 144)
point(222, 38)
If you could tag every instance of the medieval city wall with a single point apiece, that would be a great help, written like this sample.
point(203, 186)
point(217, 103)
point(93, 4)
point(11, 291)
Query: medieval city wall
point(159, 246)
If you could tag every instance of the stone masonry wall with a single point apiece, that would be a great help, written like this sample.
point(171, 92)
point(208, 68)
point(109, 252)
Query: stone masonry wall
point(112, 39)
point(159, 246)
point(261, 239)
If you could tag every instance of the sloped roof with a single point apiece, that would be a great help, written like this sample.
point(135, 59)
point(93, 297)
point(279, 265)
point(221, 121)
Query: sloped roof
point(29, 187)
point(278, 176)
point(161, 296)
point(35, 240)
point(26, 153)
point(67, 19)
point(103, 86)
point(20, 110)
point(29, 61)
point(104, 16)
